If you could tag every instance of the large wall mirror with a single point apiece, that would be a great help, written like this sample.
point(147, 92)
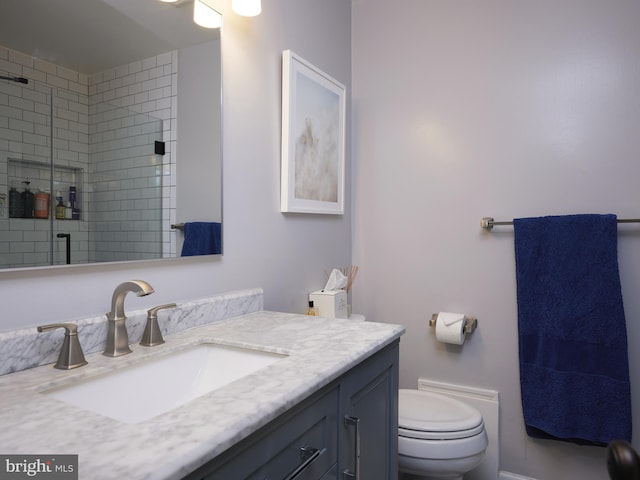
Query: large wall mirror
point(110, 132)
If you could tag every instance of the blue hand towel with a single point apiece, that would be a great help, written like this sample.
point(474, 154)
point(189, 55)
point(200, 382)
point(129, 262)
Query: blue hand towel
point(574, 370)
point(201, 238)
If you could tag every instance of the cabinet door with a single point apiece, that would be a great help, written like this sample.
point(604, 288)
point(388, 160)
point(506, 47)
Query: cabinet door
point(369, 447)
point(331, 474)
point(300, 445)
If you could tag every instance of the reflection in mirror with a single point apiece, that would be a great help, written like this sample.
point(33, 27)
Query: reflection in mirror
point(110, 130)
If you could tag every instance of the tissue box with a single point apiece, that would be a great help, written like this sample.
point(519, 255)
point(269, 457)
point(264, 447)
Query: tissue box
point(330, 303)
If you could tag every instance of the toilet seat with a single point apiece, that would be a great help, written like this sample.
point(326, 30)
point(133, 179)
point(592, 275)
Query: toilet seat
point(430, 416)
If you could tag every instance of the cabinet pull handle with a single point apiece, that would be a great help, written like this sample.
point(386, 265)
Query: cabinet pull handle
point(355, 422)
point(307, 455)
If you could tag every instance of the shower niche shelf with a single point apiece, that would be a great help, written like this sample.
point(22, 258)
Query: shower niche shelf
point(38, 174)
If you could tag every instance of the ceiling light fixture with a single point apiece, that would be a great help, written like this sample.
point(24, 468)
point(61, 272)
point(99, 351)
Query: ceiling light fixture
point(205, 16)
point(246, 8)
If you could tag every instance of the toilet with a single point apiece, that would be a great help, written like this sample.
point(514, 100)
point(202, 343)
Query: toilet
point(439, 437)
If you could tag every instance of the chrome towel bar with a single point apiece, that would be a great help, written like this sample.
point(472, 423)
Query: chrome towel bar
point(488, 223)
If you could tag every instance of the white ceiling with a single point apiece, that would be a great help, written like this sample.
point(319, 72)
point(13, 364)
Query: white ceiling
point(90, 36)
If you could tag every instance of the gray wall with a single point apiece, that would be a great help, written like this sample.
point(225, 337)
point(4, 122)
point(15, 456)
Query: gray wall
point(464, 109)
point(198, 135)
point(287, 255)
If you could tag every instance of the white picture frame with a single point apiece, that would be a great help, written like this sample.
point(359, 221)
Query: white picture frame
point(313, 139)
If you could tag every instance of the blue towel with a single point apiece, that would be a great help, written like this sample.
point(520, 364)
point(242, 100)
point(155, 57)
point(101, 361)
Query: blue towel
point(201, 238)
point(574, 370)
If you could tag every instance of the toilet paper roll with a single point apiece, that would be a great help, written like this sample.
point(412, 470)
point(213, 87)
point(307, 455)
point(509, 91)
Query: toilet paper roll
point(450, 328)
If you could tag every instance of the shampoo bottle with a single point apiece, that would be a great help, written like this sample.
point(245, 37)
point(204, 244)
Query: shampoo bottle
point(16, 207)
point(27, 201)
point(60, 209)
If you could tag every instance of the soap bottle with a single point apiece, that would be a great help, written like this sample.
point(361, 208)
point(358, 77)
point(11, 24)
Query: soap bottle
point(311, 310)
point(41, 208)
point(60, 209)
point(27, 201)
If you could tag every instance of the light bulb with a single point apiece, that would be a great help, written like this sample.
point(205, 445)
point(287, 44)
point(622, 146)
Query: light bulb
point(205, 16)
point(246, 8)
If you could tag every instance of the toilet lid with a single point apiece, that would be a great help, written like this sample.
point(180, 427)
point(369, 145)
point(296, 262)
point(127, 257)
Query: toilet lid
point(422, 413)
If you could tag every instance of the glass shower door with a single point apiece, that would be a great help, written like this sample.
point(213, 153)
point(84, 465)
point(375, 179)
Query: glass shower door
point(25, 172)
point(125, 185)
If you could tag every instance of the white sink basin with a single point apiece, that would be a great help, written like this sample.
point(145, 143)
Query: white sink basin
point(143, 391)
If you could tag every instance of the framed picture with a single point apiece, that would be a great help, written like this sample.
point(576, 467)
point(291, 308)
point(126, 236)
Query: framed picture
point(313, 139)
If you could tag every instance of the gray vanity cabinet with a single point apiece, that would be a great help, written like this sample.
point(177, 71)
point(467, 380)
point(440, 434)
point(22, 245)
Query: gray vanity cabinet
point(300, 444)
point(370, 419)
point(347, 430)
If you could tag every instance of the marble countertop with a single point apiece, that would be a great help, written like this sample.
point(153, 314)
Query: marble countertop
point(173, 444)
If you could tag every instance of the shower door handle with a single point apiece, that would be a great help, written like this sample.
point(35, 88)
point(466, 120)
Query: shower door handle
point(68, 237)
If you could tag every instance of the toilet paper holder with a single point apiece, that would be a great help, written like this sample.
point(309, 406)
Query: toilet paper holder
point(470, 323)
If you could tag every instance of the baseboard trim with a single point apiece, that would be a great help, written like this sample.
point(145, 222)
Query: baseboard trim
point(512, 476)
point(446, 388)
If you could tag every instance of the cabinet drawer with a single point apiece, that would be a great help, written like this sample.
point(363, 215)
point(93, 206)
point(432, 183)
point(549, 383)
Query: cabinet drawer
point(304, 440)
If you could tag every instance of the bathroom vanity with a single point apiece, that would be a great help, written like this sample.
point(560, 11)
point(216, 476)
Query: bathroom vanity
point(349, 426)
point(328, 406)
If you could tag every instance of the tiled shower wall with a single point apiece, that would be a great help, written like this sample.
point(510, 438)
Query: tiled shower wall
point(147, 87)
point(127, 179)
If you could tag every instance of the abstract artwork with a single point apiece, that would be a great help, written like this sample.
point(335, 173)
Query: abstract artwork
point(313, 139)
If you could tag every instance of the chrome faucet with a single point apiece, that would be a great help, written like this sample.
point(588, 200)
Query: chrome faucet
point(117, 335)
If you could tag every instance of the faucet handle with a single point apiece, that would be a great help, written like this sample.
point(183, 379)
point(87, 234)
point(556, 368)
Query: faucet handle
point(152, 335)
point(71, 355)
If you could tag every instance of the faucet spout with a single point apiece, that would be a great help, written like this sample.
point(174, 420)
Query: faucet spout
point(139, 287)
point(117, 335)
